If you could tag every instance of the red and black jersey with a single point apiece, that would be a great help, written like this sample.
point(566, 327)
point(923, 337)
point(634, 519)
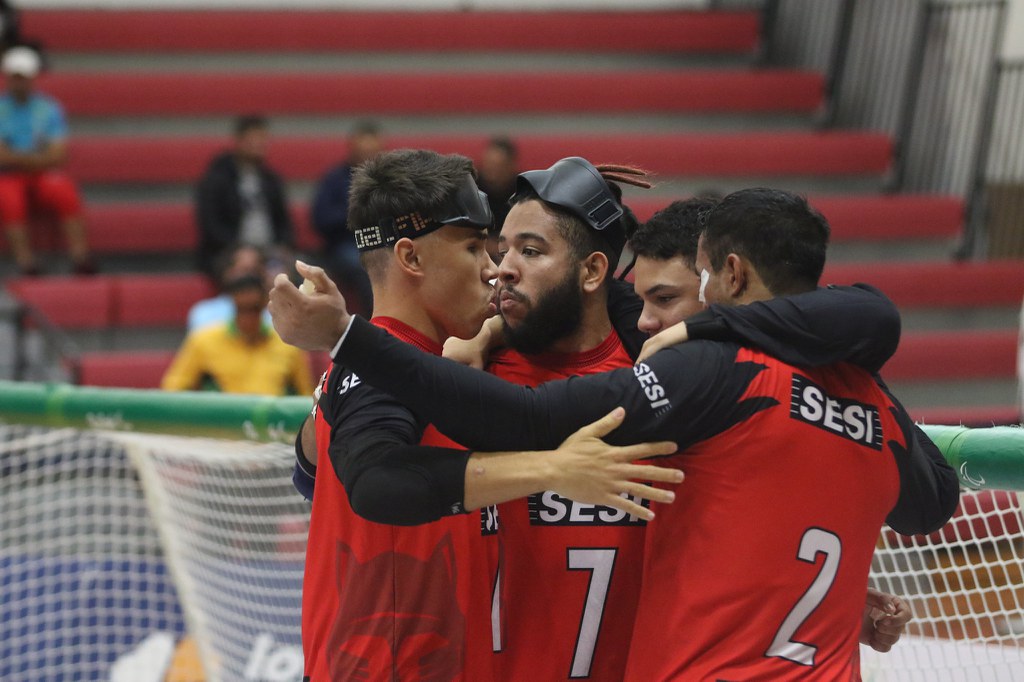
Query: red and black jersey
point(385, 602)
point(570, 572)
point(759, 570)
point(801, 467)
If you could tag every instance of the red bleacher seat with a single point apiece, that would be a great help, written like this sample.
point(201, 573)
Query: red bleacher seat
point(68, 302)
point(127, 369)
point(269, 31)
point(158, 299)
point(938, 284)
point(418, 93)
point(867, 216)
point(152, 159)
point(887, 217)
point(140, 227)
point(950, 355)
point(163, 227)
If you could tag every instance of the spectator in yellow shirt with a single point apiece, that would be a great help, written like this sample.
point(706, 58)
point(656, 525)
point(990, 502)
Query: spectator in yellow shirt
point(244, 355)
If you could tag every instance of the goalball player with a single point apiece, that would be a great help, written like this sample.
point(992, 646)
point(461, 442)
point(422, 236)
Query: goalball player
point(385, 601)
point(806, 446)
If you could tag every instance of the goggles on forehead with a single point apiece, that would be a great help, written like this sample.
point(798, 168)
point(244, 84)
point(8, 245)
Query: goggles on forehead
point(467, 207)
point(574, 185)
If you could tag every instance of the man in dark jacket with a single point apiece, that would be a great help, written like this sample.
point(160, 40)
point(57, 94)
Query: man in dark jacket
point(329, 216)
point(240, 199)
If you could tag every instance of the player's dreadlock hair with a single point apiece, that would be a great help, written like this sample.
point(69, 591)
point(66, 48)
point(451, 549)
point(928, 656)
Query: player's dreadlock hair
point(583, 240)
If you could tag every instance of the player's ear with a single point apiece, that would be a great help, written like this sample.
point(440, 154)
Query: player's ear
point(407, 257)
point(737, 276)
point(593, 269)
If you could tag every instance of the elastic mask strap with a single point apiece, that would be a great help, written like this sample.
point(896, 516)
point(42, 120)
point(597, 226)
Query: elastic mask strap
point(390, 230)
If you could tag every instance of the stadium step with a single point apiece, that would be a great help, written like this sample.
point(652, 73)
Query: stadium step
point(154, 227)
point(947, 285)
point(418, 93)
point(790, 153)
point(945, 374)
point(869, 217)
point(110, 301)
point(973, 354)
point(339, 31)
point(126, 369)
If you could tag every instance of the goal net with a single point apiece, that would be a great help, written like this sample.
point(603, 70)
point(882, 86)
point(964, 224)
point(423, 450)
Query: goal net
point(117, 545)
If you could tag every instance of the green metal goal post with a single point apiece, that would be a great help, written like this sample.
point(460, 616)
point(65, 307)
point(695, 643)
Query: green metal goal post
point(985, 458)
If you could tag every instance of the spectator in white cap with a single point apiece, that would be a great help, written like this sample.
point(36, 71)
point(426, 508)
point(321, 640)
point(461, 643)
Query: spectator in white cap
point(33, 145)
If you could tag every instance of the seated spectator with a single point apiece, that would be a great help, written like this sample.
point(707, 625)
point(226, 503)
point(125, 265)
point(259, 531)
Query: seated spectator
point(33, 145)
point(243, 355)
point(236, 262)
point(498, 168)
point(241, 199)
point(329, 216)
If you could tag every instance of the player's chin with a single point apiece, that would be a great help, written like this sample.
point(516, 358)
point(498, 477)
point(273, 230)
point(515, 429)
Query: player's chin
point(474, 322)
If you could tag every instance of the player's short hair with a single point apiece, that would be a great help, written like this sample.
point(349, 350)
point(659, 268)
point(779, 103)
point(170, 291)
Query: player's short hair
point(399, 182)
point(777, 231)
point(673, 231)
point(247, 122)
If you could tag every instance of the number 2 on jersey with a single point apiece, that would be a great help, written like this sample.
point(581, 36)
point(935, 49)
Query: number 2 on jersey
point(600, 563)
point(813, 542)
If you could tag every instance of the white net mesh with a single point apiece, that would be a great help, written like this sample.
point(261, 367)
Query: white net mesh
point(235, 534)
point(82, 577)
point(965, 590)
point(86, 561)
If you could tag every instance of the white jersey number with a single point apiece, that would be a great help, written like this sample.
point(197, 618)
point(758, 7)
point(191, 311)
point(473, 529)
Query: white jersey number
point(600, 563)
point(815, 541)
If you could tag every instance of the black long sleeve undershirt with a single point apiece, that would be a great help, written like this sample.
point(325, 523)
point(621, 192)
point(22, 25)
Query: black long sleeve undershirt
point(388, 480)
point(375, 453)
point(460, 401)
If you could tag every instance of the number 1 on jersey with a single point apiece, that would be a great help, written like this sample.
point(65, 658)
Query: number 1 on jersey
point(600, 563)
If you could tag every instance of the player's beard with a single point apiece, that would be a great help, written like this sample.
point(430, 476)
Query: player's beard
point(555, 315)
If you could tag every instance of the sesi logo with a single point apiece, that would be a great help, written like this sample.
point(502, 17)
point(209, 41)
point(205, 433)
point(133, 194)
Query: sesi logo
point(551, 509)
point(349, 382)
point(843, 417)
point(652, 389)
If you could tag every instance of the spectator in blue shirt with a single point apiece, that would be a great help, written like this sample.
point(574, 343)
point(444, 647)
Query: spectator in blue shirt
point(33, 146)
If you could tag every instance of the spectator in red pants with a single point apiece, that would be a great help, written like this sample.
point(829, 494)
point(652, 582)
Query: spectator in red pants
point(33, 137)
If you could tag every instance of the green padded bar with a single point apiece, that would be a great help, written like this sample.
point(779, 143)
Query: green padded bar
point(217, 415)
point(984, 458)
point(991, 457)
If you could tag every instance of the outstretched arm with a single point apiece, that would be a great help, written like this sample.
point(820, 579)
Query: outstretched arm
point(856, 324)
point(389, 478)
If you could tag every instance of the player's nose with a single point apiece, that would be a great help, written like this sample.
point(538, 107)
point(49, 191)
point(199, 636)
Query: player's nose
point(648, 324)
